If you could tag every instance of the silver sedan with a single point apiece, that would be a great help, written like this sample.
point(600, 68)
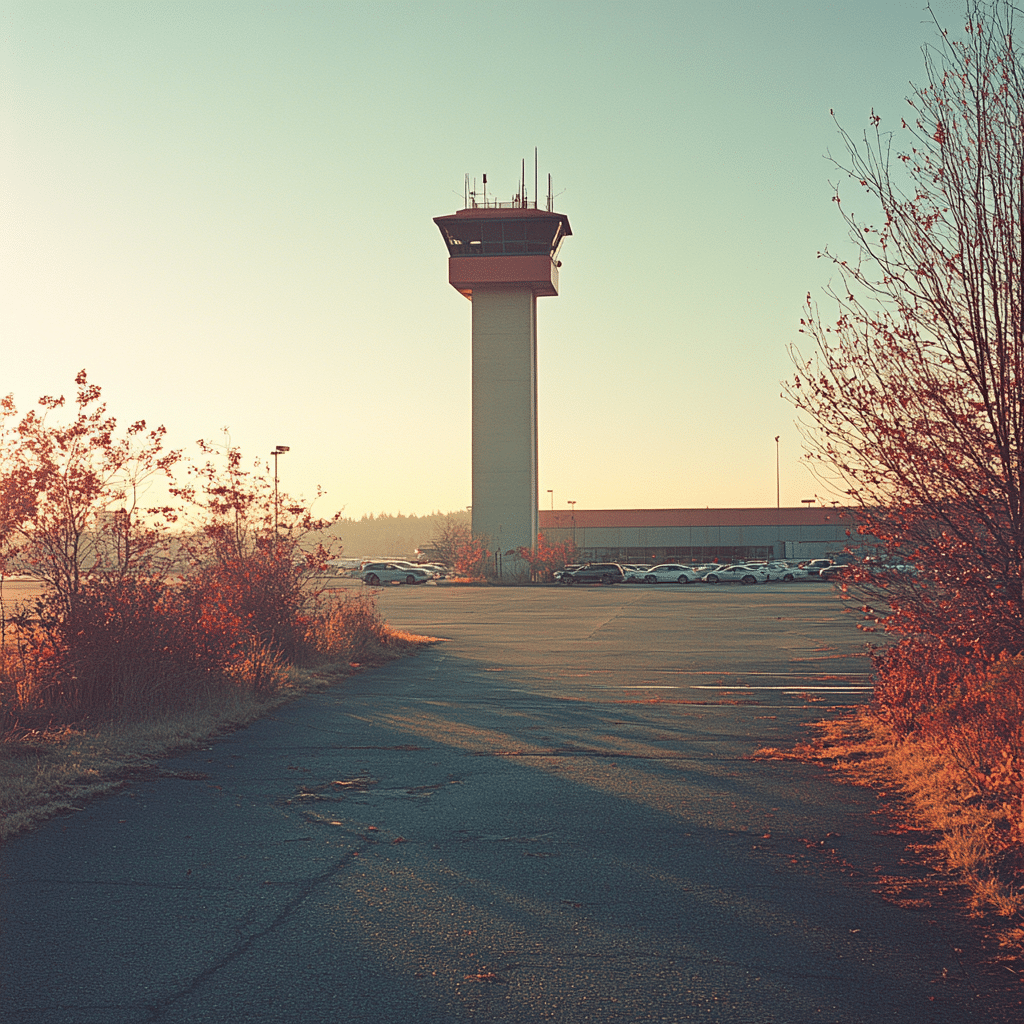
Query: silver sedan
point(376, 573)
point(746, 574)
point(671, 573)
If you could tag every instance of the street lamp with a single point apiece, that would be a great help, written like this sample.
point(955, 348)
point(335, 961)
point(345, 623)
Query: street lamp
point(778, 503)
point(552, 493)
point(573, 503)
point(279, 450)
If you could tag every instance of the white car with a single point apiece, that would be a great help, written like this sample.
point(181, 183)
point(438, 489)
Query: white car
point(813, 567)
point(434, 570)
point(559, 573)
point(376, 573)
point(702, 570)
point(746, 574)
point(635, 573)
point(671, 573)
point(783, 571)
point(439, 570)
point(799, 572)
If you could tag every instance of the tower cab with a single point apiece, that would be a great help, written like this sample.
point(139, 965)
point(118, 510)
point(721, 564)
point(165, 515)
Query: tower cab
point(515, 246)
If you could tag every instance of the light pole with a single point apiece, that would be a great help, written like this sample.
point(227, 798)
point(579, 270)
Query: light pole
point(279, 450)
point(573, 504)
point(552, 493)
point(778, 503)
point(808, 502)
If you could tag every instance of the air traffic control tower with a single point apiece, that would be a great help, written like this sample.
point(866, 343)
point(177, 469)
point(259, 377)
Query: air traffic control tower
point(501, 257)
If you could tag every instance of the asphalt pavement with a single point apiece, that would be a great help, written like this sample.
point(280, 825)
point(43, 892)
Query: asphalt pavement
point(552, 814)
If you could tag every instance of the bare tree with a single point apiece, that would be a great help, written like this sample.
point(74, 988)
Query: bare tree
point(914, 395)
point(451, 535)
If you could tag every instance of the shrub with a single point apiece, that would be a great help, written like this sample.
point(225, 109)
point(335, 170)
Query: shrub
point(259, 594)
point(548, 558)
point(114, 635)
point(472, 560)
point(974, 706)
point(123, 644)
point(345, 628)
point(911, 394)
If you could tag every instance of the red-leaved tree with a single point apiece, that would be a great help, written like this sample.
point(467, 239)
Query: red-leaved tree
point(76, 490)
point(472, 559)
point(913, 395)
point(548, 558)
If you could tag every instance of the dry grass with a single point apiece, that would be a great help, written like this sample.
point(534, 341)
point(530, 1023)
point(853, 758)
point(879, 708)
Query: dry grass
point(49, 771)
point(940, 797)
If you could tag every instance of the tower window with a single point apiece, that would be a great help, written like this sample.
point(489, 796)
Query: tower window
point(534, 236)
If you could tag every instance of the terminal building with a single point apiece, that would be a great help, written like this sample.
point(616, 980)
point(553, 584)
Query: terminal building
point(696, 535)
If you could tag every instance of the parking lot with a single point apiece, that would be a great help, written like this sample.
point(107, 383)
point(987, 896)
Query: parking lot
point(682, 642)
point(557, 812)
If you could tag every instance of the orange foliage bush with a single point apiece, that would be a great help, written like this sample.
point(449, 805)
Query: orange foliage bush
point(256, 595)
point(346, 628)
point(974, 706)
point(123, 642)
point(912, 390)
point(548, 558)
point(117, 631)
point(472, 559)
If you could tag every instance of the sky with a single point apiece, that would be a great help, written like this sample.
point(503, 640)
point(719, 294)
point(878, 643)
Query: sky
point(223, 212)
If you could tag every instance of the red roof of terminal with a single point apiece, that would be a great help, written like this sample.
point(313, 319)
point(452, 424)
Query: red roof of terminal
point(618, 518)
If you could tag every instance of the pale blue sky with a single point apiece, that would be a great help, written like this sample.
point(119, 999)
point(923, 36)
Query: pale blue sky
point(223, 211)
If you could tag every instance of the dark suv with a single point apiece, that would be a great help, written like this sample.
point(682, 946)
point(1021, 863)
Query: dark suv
point(595, 572)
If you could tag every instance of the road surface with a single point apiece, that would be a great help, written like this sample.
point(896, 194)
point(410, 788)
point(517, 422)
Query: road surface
point(552, 815)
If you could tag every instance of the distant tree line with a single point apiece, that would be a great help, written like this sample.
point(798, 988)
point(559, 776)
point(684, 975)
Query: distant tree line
point(396, 536)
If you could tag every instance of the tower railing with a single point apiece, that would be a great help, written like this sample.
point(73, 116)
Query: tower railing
point(477, 203)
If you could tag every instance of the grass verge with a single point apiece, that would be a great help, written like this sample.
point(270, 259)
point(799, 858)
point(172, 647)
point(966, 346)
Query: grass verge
point(967, 835)
point(55, 770)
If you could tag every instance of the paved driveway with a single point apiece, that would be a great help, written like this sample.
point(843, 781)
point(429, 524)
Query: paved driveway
point(550, 816)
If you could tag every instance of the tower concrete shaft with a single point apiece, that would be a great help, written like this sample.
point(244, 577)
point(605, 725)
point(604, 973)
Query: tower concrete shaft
point(505, 417)
point(501, 257)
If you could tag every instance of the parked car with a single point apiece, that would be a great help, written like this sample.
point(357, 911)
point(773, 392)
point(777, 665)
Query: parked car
point(780, 571)
point(559, 573)
point(376, 573)
point(434, 570)
point(744, 574)
point(440, 571)
point(635, 573)
point(595, 572)
point(799, 572)
point(815, 565)
point(671, 573)
point(703, 570)
point(834, 572)
point(903, 569)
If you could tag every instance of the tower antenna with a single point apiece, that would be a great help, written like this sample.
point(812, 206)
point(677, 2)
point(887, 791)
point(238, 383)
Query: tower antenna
point(535, 177)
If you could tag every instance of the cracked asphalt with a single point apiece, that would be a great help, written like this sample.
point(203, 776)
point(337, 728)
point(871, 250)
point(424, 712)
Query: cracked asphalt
point(552, 815)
